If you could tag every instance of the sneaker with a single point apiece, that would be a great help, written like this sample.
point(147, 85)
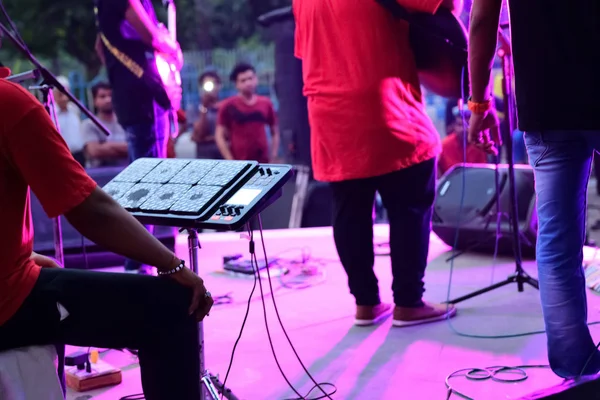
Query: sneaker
point(370, 315)
point(430, 312)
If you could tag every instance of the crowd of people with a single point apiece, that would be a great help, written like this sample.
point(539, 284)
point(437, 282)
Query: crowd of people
point(234, 128)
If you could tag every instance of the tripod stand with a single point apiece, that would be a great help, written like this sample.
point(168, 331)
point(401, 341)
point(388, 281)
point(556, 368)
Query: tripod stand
point(519, 277)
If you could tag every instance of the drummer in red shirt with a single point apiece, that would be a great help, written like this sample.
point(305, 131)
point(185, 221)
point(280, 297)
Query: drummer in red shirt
point(370, 133)
point(41, 303)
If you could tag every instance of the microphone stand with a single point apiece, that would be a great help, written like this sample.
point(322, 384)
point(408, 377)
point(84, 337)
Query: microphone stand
point(520, 277)
point(49, 81)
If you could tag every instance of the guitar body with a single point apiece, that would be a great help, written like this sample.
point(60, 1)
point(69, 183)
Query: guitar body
point(439, 43)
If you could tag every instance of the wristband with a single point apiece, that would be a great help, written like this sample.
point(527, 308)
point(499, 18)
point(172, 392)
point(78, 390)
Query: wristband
point(479, 108)
point(174, 270)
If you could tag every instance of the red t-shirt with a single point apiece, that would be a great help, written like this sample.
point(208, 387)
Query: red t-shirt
point(246, 124)
point(32, 154)
point(452, 153)
point(364, 100)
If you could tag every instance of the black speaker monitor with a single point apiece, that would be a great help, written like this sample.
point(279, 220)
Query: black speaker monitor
point(468, 199)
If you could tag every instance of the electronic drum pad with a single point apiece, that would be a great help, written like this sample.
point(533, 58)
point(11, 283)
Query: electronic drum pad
point(215, 194)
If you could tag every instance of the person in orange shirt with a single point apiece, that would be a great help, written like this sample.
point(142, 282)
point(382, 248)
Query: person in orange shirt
point(453, 146)
point(370, 133)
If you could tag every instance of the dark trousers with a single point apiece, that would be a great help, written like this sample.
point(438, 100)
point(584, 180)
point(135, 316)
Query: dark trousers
point(147, 140)
point(597, 171)
point(116, 311)
point(408, 197)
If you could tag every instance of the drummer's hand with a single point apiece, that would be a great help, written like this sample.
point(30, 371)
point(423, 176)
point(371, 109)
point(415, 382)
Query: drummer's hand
point(43, 261)
point(201, 303)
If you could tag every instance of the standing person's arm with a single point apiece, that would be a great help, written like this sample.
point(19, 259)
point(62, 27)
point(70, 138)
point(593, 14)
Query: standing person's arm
point(98, 149)
point(483, 35)
point(200, 128)
point(222, 144)
point(202, 133)
point(159, 39)
point(105, 150)
point(222, 132)
point(483, 39)
point(63, 187)
point(275, 134)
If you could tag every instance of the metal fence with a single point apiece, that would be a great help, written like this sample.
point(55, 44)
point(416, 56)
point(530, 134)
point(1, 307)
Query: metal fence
point(196, 62)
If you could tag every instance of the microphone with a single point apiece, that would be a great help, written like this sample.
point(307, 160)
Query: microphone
point(280, 14)
point(34, 74)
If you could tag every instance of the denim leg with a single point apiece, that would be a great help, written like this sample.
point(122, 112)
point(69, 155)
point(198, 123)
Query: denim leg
point(561, 162)
point(148, 139)
point(519, 152)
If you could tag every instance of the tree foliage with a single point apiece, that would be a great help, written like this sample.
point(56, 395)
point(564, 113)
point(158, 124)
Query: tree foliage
point(55, 28)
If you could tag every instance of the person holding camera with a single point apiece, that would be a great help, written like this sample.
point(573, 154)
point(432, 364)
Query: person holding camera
point(209, 84)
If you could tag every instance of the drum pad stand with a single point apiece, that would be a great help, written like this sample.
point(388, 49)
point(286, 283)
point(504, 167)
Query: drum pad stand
point(211, 387)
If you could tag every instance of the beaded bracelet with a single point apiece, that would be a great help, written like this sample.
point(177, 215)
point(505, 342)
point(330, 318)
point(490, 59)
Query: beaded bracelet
point(174, 270)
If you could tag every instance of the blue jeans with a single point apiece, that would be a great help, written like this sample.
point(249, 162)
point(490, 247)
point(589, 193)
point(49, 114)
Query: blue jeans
point(148, 139)
point(562, 161)
point(519, 152)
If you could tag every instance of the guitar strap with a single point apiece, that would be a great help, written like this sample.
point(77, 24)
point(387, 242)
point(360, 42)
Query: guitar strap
point(123, 58)
point(153, 82)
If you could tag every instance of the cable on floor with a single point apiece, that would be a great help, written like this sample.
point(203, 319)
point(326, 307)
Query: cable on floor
point(497, 374)
point(316, 385)
point(256, 278)
point(133, 397)
point(305, 270)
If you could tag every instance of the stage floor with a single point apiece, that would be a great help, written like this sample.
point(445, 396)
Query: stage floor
point(380, 362)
